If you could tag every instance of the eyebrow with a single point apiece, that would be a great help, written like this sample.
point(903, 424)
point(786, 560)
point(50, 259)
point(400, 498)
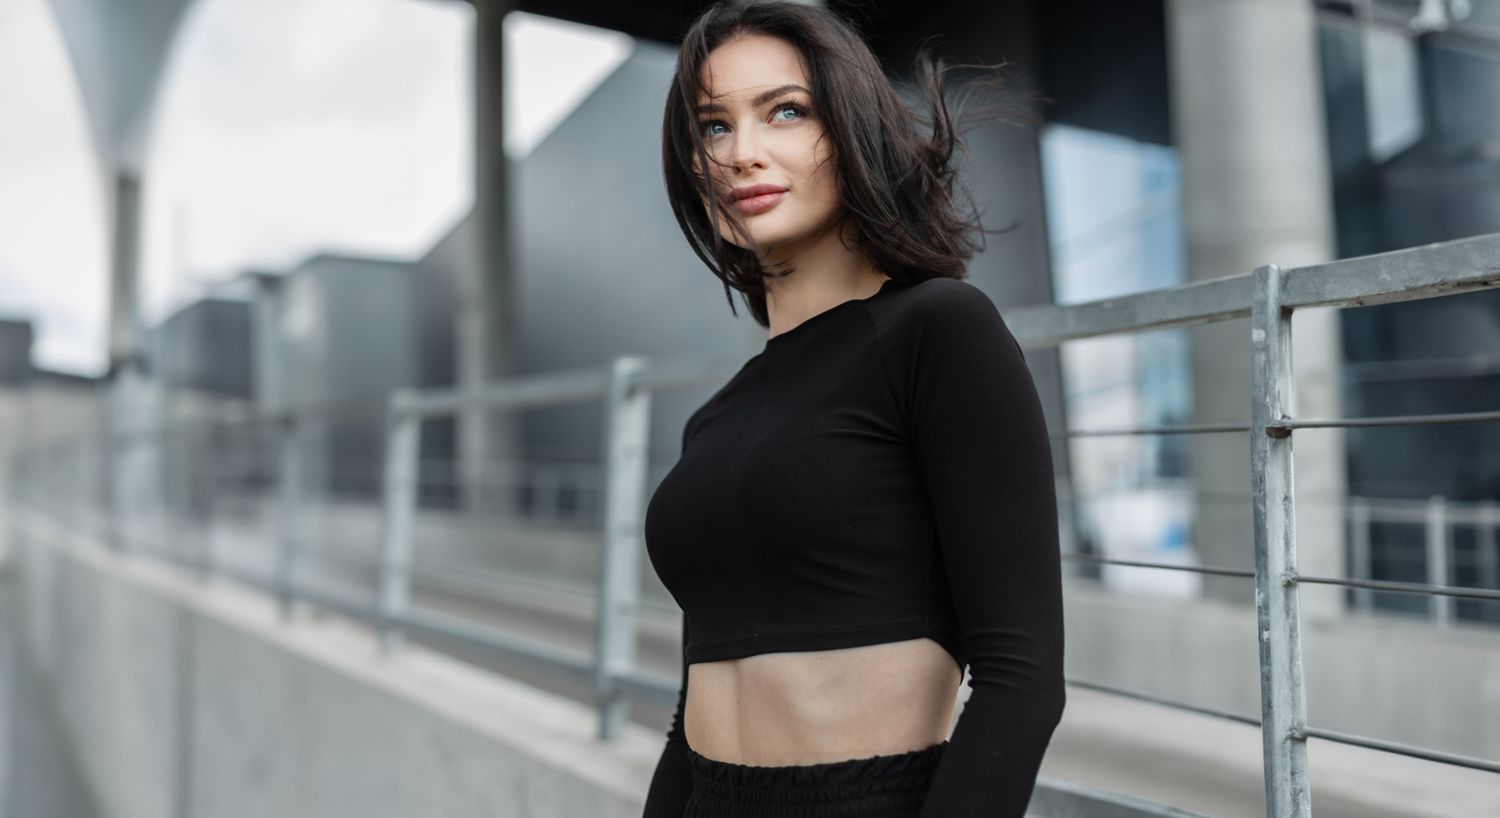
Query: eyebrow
point(760, 99)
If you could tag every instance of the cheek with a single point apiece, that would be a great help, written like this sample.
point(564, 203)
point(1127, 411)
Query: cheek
point(820, 171)
point(822, 185)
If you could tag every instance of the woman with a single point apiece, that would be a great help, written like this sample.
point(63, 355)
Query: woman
point(867, 507)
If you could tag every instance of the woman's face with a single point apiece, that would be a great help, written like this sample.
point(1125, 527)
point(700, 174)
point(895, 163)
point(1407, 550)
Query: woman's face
point(759, 127)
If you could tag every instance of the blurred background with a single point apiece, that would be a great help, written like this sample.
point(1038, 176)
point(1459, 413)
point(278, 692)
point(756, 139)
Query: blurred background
point(232, 230)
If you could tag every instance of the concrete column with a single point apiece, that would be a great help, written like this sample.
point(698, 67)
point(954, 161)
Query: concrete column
point(1248, 118)
point(486, 322)
point(125, 279)
point(125, 358)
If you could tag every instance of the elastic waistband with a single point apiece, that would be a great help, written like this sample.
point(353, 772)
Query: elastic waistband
point(878, 785)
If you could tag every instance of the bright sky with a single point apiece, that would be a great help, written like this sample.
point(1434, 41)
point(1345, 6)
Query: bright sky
point(284, 128)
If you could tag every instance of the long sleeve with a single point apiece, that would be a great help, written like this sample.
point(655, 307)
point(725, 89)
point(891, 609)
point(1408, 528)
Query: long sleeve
point(672, 782)
point(982, 450)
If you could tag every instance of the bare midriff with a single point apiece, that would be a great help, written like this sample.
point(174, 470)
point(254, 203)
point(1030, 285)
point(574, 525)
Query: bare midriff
point(812, 707)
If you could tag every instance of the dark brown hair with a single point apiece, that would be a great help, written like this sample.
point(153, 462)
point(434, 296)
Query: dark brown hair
point(897, 183)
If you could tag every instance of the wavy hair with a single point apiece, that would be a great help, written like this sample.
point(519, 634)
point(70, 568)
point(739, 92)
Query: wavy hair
point(895, 169)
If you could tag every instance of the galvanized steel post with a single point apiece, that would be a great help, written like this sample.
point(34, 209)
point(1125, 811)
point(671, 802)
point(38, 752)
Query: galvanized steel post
point(205, 476)
point(1359, 546)
point(1489, 555)
point(1282, 703)
point(289, 485)
point(627, 424)
point(1436, 541)
point(398, 507)
point(109, 471)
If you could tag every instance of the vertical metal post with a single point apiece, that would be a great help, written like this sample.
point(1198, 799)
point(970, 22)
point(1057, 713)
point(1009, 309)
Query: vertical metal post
point(110, 514)
point(206, 467)
point(17, 502)
point(82, 484)
point(1359, 544)
point(398, 506)
point(289, 487)
point(627, 423)
point(1282, 703)
point(122, 512)
point(1485, 546)
point(1437, 545)
point(126, 493)
point(161, 537)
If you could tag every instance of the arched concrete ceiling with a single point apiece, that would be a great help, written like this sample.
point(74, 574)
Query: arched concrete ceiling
point(119, 49)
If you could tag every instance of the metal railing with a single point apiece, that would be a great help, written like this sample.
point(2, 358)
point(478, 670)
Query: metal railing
point(1268, 297)
point(1434, 549)
point(1438, 517)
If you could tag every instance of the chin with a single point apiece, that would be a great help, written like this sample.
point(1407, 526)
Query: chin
point(772, 239)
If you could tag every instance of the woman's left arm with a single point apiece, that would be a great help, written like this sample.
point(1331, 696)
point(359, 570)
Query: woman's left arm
point(982, 449)
point(672, 782)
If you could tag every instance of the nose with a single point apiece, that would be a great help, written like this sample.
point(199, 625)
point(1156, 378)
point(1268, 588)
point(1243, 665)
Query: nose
point(748, 150)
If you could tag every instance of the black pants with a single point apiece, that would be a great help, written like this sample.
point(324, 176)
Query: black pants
point(882, 786)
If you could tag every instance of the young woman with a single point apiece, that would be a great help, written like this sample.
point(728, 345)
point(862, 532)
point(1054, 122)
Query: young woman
point(866, 508)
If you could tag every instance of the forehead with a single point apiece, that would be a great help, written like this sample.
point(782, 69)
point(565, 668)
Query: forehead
point(750, 63)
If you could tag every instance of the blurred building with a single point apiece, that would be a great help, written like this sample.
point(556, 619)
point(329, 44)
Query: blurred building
point(1414, 147)
point(205, 347)
point(38, 409)
point(15, 352)
point(345, 336)
point(327, 340)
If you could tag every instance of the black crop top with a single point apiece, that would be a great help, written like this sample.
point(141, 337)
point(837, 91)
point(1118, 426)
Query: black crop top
point(879, 472)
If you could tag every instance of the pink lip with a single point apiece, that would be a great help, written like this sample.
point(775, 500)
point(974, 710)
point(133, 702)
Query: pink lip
point(752, 205)
point(754, 190)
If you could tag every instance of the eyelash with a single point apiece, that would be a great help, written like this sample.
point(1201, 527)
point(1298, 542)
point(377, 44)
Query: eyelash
point(703, 126)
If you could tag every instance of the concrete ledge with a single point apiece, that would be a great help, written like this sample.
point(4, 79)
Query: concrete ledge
point(192, 698)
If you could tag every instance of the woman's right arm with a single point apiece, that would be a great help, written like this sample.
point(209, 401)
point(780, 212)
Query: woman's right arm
point(672, 782)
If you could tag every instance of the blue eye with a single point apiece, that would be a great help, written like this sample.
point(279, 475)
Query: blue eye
point(790, 106)
point(704, 128)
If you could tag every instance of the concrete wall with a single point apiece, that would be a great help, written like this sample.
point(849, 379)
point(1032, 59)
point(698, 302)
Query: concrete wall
point(187, 699)
point(38, 774)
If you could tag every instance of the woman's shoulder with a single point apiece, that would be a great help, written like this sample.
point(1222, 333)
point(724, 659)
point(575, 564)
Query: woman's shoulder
point(940, 308)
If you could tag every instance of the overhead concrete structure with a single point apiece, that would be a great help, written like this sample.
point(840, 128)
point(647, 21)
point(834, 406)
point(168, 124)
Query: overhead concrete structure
point(119, 49)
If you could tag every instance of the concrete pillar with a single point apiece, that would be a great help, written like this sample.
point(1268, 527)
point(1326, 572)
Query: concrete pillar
point(1248, 118)
point(125, 347)
point(487, 441)
point(125, 279)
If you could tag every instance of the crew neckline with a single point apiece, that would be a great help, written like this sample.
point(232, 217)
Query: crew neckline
point(842, 305)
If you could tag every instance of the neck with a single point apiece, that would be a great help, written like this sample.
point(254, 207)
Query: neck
point(828, 274)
